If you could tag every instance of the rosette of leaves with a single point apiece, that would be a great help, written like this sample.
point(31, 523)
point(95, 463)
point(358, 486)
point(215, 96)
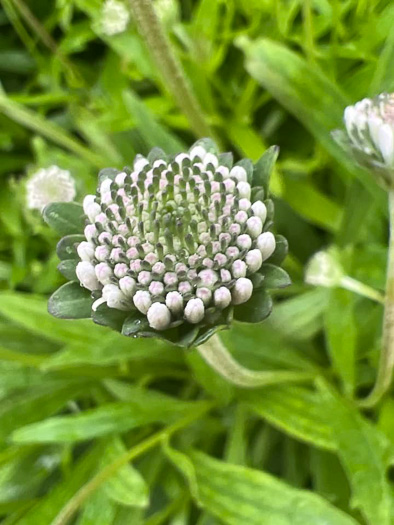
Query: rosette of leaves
point(174, 247)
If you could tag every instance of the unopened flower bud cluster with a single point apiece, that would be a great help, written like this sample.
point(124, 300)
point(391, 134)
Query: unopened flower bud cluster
point(176, 241)
point(370, 127)
point(115, 17)
point(48, 185)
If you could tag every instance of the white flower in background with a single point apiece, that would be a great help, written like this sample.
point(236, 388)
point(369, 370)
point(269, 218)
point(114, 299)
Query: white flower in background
point(323, 269)
point(179, 241)
point(370, 127)
point(167, 11)
point(49, 185)
point(114, 17)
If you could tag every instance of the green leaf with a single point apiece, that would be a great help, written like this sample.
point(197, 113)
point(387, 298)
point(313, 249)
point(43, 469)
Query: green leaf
point(134, 323)
point(109, 418)
point(98, 510)
point(274, 276)
point(65, 217)
point(127, 486)
point(294, 410)
point(111, 317)
point(67, 269)
point(208, 144)
point(281, 250)
point(263, 168)
point(365, 454)
point(256, 309)
point(237, 494)
point(66, 247)
point(71, 301)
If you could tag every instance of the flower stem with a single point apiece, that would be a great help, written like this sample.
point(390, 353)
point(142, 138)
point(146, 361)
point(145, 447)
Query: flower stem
point(218, 357)
point(386, 363)
point(151, 29)
point(348, 283)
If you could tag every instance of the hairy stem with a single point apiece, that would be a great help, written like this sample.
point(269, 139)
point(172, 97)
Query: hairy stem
point(386, 363)
point(218, 357)
point(171, 70)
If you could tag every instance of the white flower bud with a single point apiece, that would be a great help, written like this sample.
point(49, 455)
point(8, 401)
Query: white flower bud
point(170, 278)
point(204, 294)
point(85, 251)
point(266, 244)
point(239, 173)
point(386, 143)
point(244, 204)
point(127, 285)
point(90, 232)
point(144, 277)
point(222, 297)
point(210, 158)
point(159, 316)
point(242, 291)
point(103, 273)
point(142, 301)
point(244, 241)
point(208, 277)
point(184, 287)
point(115, 298)
point(241, 217)
point(105, 186)
point(174, 301)
point(92, 211)
point(86, 275)
point(260, 210)
point(244, 190)
point(87, 201)
point(324, 269)
point(254, 260)
point(121, 270)
point(140, 162)
point(156, 288)
point(120, 178)
point(238, 269)
point(197, 151)
point(224, 172)
point(194, 311)
point(101, 253)
point(254, 226)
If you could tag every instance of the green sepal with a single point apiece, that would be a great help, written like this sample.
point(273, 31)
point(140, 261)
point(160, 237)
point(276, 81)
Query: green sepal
point(134, 323)
point(110, 317)
point(264, 167)
point(67, 269)
point(257, 280)
point(281, 250)
point(156, 154)
point(66, 247)
point(256, 309)
point(107, 173)
point(65, 217)
point(258, 194)
point(269, 204)
point(208, 144)
point(247, 165)
point(226, 159)
point(70, 301)
point(274, 276)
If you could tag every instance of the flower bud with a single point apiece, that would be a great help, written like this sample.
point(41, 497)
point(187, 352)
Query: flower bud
point(159, 316)
point(86, 274)
point(254, 260)
point(222, 297)
point(260, 210)
point(194, 311)
point(142, 301)
point(103, 273)
point(242, 291)
point(127, 285)
point(266, 244)
point(174, 302)
point(85, 251)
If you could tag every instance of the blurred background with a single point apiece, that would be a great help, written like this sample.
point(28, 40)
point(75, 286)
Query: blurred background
point(80, 90)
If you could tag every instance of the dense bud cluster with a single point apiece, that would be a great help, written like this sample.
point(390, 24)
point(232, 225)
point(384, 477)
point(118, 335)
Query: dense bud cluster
point(176, 240)
point(114, 17)
point(48, 185)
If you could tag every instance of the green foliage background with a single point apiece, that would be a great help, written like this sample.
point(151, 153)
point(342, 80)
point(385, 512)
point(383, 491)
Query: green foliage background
point(74, 397)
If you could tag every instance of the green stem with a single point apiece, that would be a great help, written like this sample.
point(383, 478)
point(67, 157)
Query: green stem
point(362, 289)
point(91, 486)
point(171, 70)
point(217, 356)
point(386, 363)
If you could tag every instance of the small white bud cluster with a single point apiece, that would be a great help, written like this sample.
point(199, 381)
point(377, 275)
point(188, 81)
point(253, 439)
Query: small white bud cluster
point(175, 240)
point(323, 269)
point(370, 127)
point(49, 185)
point(114, 17)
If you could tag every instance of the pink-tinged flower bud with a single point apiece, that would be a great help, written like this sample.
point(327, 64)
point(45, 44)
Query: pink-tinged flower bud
point(241, 217)
point(121, 270)
point(158, 268)
point(222, 297)
point(142, 301)
point(170, 278)
point(115, 298)
point(101, 253)
point(254, 226)
point(184, 287)
point(244, 204)
point(254, 260)
point(103, 273)
point(266, 244)
point(90, 232)
point(174, 301)
point(239, 173)
point(208, 278)
point(224, 171)
point(144, 278)
point(85, 251)
point(244, 190)
point(194, 311)
point(242, 291)
point(204, 294)
point(225, 276)
point(87, 276)
point(260, 210)
point(238, 269)
point(244, 241)
point(156, 288)
point(159, 316)
point(127, 285)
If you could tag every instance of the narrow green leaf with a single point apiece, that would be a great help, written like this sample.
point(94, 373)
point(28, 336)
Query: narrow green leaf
point(263, 168)
point(71, 301)
point(65, 217)
point(98, 510)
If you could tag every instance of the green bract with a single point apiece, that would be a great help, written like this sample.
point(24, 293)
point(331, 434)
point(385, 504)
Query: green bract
point(173, 248)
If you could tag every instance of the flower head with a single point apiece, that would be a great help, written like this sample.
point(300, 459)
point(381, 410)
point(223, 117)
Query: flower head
point(49, 185)
point(370, 135)
point(177, 243)
point(114, 17)
point(324, 269)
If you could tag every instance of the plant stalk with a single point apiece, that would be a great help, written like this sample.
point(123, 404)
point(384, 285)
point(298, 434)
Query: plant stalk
point(386, 362)
point(218, 357)
point(170, 68)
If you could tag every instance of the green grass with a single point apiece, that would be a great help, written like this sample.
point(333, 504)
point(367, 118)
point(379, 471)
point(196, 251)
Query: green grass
point(107, 430)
